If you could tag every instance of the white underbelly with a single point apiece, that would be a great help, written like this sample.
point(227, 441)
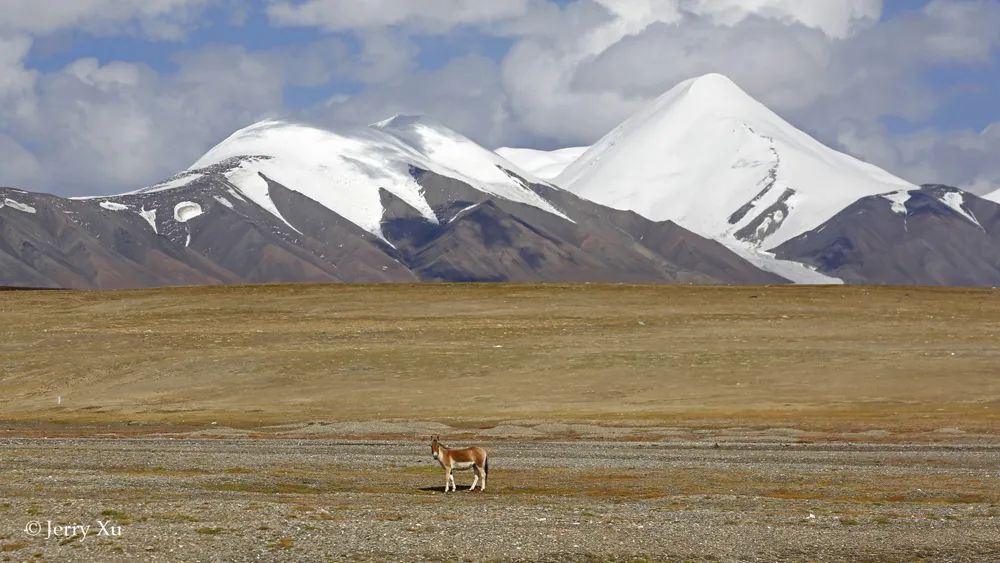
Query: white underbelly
point(462, 464)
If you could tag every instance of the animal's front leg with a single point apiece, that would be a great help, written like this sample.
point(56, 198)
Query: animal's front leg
point(452, 477)
point(447, 479)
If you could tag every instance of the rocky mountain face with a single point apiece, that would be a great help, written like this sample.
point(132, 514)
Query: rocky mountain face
point(933, 235)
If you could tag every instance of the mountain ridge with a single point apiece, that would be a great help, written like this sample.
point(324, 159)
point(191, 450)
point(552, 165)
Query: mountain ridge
point(401, 201)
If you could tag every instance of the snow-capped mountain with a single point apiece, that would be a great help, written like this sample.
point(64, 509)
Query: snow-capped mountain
point(705, 185)
point(346, 171)
point(711, 158)
point(993, 196)
point(405, 199)
point(546, 165)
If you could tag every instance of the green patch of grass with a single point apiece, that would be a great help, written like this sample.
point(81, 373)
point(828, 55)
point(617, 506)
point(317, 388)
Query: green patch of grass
point(210, 531)
point(175, 517)
point(14, 546)
point(281, 543)
point(848, 521)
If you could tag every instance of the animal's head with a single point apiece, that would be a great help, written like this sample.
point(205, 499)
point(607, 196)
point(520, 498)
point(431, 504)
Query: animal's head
point(435, 447)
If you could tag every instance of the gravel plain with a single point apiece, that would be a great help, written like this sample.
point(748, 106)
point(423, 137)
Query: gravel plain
point(174, 498)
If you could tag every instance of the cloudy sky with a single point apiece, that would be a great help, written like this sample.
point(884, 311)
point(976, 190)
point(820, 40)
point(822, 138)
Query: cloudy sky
point(100, 96)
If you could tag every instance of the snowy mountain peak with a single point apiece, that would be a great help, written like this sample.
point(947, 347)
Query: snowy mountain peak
point(414, 128)
point(707, 95)
point(710, 157)
point(344, 170)
point(712, 90)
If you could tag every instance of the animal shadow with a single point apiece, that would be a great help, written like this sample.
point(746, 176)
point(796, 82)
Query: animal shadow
point(440, 489)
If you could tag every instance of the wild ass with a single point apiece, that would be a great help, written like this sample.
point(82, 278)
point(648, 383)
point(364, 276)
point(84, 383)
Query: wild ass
point(461, 458)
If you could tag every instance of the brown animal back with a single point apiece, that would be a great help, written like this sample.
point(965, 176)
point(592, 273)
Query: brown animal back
point(473, 453)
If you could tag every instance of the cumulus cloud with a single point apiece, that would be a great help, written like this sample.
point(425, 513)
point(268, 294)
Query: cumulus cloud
point(161, 19)
point(100, 128)
point(838, 19)
point(427, 15)
point(465, 94)
point(573, 70)
point(963, 158)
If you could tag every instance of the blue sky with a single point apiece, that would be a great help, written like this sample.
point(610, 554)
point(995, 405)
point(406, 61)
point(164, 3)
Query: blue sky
point(106, 95)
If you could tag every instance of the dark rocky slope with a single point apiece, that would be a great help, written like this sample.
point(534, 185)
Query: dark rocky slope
point(935, 235)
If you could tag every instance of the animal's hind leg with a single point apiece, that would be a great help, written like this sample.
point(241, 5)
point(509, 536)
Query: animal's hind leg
point(475, 478)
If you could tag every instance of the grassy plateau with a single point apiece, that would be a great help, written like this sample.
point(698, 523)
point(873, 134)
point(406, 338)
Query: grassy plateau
point(816, 358)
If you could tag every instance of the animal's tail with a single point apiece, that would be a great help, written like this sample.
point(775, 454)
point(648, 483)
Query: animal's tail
point(486, 466)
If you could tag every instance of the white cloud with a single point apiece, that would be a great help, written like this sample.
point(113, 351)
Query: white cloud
point(818, 68)
point(101, 128)
point(427, 15)
point(838, 18)
point(20, 167)
point(160, 19)
point(465, 94)
point(573, 72)
point(963, 158)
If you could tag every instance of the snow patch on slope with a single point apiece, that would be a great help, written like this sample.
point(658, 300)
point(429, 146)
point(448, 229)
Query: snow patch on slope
point(247, 177)
point(956, 201)
point(113, 206)
point(543, 164)
point(993, 196)
point(714, 160)
point(186, 210)
point(22, 207)
point(795, 272)
point(898, 200)
point(150, 217)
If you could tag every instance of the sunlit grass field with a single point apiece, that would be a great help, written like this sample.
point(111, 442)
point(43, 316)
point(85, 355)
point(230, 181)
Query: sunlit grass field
point(819, 358)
